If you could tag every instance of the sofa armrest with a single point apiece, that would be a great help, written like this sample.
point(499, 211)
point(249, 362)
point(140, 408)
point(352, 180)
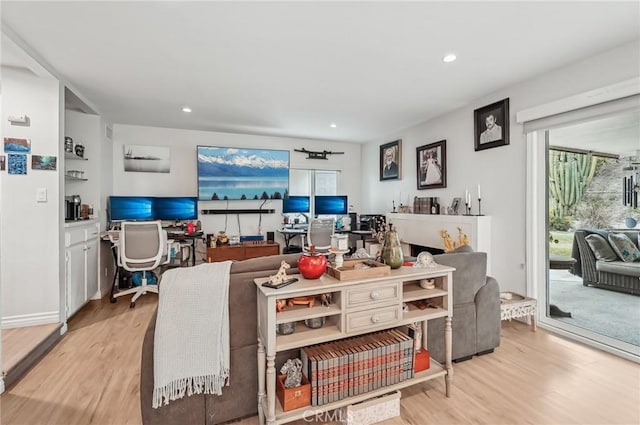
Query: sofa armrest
point(487, 302)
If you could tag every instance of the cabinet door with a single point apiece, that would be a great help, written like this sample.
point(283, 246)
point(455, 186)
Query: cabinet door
point(76, 295)
point(91, 269)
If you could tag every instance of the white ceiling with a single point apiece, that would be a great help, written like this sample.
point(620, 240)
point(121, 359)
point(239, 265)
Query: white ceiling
point(292, 68)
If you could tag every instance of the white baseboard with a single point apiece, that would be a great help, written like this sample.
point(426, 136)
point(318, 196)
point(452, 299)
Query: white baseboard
point(30, 319)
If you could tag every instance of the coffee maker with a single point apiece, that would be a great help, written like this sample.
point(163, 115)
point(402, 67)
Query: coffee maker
point(73, 204)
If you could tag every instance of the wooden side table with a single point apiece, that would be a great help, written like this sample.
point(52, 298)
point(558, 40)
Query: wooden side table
point(514, 305)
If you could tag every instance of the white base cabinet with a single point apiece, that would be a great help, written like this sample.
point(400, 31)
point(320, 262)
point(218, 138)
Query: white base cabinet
point(81, 264)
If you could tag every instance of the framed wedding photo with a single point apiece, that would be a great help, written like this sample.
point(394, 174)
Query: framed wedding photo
point(391, 161)
point(491, 125)
point(432, 165)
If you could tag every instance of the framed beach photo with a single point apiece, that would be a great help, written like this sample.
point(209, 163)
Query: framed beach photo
point(491, 125)
point(391, 161)
point(432, 165)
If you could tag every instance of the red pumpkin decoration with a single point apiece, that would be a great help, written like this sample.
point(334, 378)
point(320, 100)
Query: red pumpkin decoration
point(311, 265)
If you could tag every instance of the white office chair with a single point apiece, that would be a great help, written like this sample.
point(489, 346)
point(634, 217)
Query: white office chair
point(319, 234)
point(142, 247)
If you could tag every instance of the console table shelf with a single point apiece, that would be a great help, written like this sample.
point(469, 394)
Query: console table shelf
point(358, 306)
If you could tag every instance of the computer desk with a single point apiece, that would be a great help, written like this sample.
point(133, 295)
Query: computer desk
point(289, 234)
point(183, 236)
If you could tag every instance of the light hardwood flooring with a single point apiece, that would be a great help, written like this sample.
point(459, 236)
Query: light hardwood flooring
point(17, 343)
point(92, 377)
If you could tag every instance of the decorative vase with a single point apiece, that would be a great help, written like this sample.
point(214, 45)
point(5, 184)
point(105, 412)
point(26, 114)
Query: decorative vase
point(222, 239)
point(392, 250)
point(630, 222)
point(312, 265)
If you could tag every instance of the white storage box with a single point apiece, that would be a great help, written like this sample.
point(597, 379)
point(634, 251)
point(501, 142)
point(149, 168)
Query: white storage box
point(372, 411)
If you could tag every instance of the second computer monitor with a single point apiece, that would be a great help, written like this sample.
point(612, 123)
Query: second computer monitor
point(331, 205)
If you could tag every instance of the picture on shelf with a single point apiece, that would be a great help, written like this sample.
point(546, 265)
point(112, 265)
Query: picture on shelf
point(43, 162)
point(391, 161)
point(432, 165)
point(148, 159)
point(491, 125)
point(3, 161)
point(12, 145)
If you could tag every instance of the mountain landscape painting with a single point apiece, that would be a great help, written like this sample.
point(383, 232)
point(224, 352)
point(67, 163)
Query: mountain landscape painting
point(236, 173)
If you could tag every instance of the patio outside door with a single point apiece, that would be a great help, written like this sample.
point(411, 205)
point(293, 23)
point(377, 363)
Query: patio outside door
point(586, 164)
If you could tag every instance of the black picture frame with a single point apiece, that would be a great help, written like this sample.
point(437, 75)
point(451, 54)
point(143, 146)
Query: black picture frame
point(431, 165)
point(393, 169)
point(485, 137)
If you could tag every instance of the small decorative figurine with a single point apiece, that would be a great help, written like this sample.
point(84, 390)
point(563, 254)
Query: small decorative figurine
point(310, 301)
point(281, 276)
point(293, 369)
point(280, 305)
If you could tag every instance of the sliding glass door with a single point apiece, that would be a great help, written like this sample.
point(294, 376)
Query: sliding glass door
point(589, 170)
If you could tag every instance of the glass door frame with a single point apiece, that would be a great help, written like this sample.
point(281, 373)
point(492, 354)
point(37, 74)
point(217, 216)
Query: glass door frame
point(538, 252)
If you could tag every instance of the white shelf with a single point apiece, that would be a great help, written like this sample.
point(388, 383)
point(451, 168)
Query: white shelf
point(296, 313)
point(77, 179)
point(69, 155)
point(413, 292)
point(304, 336)
point(435, 371)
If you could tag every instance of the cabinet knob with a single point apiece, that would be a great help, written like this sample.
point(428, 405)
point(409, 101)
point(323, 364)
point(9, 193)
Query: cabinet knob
point(375, 318)
point(375, 295)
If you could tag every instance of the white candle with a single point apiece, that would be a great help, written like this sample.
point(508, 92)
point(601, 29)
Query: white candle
point(466, 196)
point(479, 194)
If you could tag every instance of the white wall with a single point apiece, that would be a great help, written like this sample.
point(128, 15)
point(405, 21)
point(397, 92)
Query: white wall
point(182, 180)
point(500, 171)
point(30, 259)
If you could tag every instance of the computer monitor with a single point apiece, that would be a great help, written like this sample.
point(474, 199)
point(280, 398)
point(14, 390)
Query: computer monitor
point(130, 208)
point(296, 204)
point(175, 208)
point(331, 205)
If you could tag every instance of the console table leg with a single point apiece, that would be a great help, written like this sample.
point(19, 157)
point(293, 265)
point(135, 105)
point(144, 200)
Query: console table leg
point(261, 380)
point(447, 351)
point(271, 389)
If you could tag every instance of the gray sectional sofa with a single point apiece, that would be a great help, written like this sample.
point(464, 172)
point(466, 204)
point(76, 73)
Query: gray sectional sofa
point(599, 271)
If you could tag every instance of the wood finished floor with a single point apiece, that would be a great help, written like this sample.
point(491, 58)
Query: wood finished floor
point(92, 377)
point(17, 343)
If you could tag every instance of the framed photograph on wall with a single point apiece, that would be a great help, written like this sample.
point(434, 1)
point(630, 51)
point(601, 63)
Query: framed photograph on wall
point(491, 125)
point(432, 165)
point(391, 161)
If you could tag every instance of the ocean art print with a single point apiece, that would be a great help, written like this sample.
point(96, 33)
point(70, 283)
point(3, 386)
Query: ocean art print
point(148, 159)
point(43, 162)
point(12, 145)
point(16, 164)
point(238, 174)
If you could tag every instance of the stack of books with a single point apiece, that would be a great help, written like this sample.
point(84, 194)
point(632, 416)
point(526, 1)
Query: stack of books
point(353, 366)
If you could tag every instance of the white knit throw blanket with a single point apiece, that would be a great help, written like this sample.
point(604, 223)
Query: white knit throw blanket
point(191, 346)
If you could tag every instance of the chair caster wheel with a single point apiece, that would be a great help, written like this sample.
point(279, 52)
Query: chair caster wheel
point(133, 304)
point(113, 300)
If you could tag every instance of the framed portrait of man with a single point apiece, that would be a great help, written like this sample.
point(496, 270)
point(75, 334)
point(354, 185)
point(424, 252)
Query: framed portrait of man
point(391, 161)
point(432, 165)
point(491, 125)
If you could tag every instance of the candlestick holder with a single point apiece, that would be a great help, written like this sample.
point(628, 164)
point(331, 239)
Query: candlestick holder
point(468, 208)
point(479, 206)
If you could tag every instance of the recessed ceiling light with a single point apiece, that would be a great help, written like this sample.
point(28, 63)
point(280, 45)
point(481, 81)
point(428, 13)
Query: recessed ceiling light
point(333, 125)
point(449, 58)
point(186, 109)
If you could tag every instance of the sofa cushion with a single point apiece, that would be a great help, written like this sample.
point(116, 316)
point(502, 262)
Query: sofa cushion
point(470, 274)
point(601, 248)
point(463, 248)
point(623, 246)
point(619, 267)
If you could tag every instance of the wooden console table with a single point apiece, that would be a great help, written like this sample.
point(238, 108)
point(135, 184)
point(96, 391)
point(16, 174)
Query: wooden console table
point(360, 306)
point(241, 252)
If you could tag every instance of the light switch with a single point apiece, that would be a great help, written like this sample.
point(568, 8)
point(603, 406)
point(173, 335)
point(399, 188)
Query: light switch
point(41, 194)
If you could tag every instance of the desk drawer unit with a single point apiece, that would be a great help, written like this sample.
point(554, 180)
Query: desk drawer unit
point(367, 295)
point(372, 318)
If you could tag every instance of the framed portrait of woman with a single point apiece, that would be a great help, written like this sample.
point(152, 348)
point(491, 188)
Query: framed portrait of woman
point(391, 161)
point(432, 165)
